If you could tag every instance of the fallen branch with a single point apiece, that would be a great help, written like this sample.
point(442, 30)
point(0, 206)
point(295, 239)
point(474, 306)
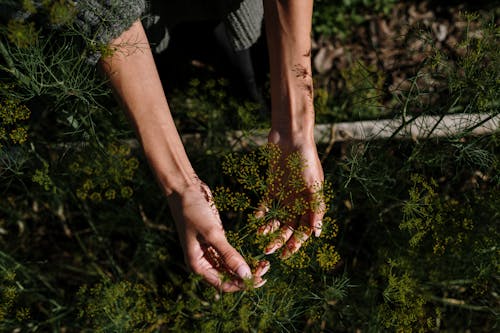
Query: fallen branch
point(422, 127)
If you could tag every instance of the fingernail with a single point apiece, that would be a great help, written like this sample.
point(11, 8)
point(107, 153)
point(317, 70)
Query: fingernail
point(244, 272)
point(260, 284)
point(266, 268)
point(286, 253)
point(270, 250)
point(265, 229)
point(317, 228)
point(261, 229)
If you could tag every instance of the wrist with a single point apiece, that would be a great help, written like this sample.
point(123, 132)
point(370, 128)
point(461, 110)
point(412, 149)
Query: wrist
point(169, 161)
point(177, 184)
point(292, 104)
point(290, 141)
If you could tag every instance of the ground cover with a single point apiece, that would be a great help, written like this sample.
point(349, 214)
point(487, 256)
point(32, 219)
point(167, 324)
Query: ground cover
point(411, 239)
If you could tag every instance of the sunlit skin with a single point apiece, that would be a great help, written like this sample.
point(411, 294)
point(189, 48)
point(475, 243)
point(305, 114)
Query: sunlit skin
point(292, 121)
point(135, 80)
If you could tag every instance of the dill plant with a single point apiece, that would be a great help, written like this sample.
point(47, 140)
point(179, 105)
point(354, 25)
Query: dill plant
point(278, 188)
point(118, 307)
point(418, 217)
point(208, 106)
point(419, 253)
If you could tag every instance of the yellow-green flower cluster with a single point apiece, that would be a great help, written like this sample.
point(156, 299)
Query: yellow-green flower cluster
point(9, 294)
point(61, 12)
point(225, 200)
point(329, 229)
point(13, 116)
point(429, 217)
point(327, 257)
point(42, 178)
point(282, 194)
point(108, 176)
point(300, 260)
point(246, 170)
point(405, 304)
point(117, 307)
point(22, 34)
point(29, 6)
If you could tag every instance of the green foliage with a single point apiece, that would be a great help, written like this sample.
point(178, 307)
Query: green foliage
point(426, 214)
point(117, 307)
point(462, 80)
point(22, 34)
point(478, 79)
point(411, 243)
point(364, 91)
point(13, 115)
point(403, 307)
point(207, 106)
point(8, 293)
point(106, 177)
point(338, 17)
point(20, 290)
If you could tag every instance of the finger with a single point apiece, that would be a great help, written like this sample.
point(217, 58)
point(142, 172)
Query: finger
point(298, 238)
point(259, 283)
point(261, 211)
point(318, 210)
point(316, 222)
point(205, 261)
point(212, 274)
point(262, 268)
point(285, 233)
point(259, 271)
point(201, 263)
point(269, 227)
point(231, 286)
point(231, 259)
point(204, 268)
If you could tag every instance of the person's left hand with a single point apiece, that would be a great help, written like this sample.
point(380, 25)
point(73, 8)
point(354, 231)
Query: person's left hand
point(296, 230)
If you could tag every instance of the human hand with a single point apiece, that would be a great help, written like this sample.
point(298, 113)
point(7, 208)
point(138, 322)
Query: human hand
point(206, 249)
point(301, 223)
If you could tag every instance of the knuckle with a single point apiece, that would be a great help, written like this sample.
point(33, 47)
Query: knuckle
point(229, 254)
point(195, 268)
point(214, 233)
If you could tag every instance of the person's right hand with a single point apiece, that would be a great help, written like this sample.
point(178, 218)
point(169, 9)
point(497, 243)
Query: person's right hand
point(206, 249)
point(292, 233)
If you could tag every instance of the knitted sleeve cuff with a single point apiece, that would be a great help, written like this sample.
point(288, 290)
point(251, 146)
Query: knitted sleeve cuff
point(101, 21)
point(245, 24)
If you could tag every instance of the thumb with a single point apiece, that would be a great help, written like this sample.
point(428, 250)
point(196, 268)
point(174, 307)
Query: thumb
point(233, 261)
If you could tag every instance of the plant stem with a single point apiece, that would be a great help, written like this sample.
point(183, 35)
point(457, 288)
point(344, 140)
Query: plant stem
point(459, 304)
point(11, 65)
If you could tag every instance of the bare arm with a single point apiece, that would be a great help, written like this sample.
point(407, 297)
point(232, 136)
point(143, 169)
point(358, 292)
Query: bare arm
point(135, 80)
point(288, 29)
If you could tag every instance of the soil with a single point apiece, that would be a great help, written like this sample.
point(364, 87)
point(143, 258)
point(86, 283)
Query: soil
point(393, 44)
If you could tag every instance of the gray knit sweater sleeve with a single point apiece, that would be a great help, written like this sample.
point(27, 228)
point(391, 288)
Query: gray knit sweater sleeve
point(242, 18)
point(244, 25)
point(103, 20)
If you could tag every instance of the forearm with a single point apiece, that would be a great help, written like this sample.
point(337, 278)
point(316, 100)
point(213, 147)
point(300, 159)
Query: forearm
point(135, 80)
point(288, 30)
